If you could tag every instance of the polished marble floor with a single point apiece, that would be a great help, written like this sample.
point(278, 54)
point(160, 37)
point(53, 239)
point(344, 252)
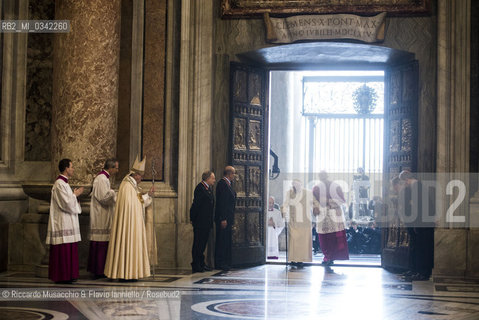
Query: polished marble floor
point(263, 292)
point(366, 260)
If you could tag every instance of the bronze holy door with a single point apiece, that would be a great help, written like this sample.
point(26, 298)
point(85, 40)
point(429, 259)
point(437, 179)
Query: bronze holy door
point(400, 153)
point(248, 146)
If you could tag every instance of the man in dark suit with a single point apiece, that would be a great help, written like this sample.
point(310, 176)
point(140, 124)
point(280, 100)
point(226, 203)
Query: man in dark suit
point(420, 229)
point(201, 216)
point(224, 218)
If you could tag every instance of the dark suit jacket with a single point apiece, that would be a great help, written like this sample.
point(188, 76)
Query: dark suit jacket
point(225, 202)
point(412, 198)
point(201, 211)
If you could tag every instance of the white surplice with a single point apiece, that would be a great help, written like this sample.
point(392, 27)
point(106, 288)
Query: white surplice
point(63, 225)
point(328, 199)
point(102, 208)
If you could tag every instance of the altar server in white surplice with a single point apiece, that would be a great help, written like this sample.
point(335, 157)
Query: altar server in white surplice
point(297, 208)
point(102, 208)
point(275, 226)
point(127, 256)
point(63, 232)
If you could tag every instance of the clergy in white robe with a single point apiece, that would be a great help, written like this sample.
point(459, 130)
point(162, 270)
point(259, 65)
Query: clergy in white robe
point(275, 226)
point(63, 233)
point(297, 208)
point(127, 256)
point(328, 201)
point(102, 208)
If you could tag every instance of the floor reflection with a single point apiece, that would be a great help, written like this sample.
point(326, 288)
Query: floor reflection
point(263, 292)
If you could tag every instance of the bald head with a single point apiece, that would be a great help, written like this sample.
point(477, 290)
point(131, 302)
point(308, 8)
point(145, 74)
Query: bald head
point(229, 172)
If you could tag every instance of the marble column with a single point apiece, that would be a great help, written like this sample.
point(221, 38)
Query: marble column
point(195, 113)
point(85, 86)
point(453, 105)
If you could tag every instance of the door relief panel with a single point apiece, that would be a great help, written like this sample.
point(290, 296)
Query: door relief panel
point(400, 153)
point(248, 111)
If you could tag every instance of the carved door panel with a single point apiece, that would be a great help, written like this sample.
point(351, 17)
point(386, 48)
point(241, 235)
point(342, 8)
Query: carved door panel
point(248, 110)
point(400, 153)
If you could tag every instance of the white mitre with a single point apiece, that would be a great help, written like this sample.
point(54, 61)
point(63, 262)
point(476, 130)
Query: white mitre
point(138, 167)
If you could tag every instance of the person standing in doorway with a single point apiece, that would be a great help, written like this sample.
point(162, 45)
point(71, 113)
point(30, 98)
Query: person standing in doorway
point(329, 198)
point(224, 218)
point(413, 200)
point(297, 209)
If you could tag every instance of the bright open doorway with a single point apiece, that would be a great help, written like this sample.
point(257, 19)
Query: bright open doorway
point(331, 121)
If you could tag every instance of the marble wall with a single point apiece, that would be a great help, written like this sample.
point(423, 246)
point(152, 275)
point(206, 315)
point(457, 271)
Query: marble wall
point(165, 209)
point(38, 111)
point(124, 88)
point(163, 81)
point(453, 242)
point(473, 233)
point(13, 202)
point(85, 86)
point(154, 86)
point(148, 113)
point(1, 91)
point(84, 102)
point(86, 80)
point(474, 114)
